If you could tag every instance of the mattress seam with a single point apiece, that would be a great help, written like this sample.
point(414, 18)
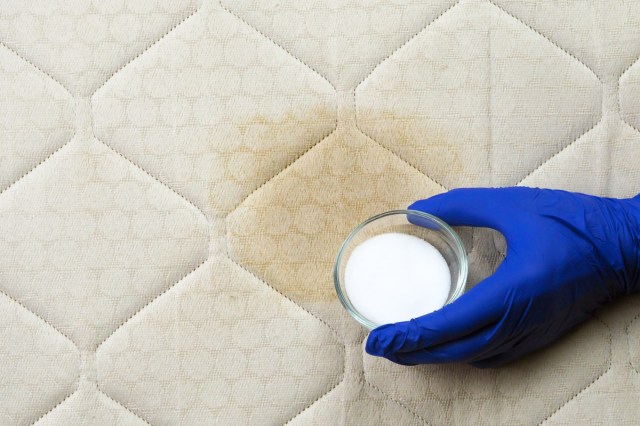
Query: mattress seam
point(628, 68)
point(241, 19)
point(295, 160)
point(336, 335)
point(574, 397)
point(571, 55)
point(311, 404)
point(23, 58)
point(137, 166)
point(357, 125)
point(609, 367)
point(179, 23)
point(564, 148)
point(73, 392)
point(400, 403)
point(12, 184)
point(406, 42)
point(631, 126)
point(150, 302)
point(621, 115)
point(121, 405)
point(399, 157)
point(60, 332)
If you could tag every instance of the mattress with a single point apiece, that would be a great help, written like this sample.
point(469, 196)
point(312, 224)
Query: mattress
point(176, 178)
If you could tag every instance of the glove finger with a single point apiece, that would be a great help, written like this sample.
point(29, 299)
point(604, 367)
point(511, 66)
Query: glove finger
point(478, 344)
point(484, 207)
point(492, 346)
point(396, 360)
point(479, 307)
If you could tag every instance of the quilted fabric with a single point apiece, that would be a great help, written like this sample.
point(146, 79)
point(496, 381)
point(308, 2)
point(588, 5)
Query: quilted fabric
point(176, 177)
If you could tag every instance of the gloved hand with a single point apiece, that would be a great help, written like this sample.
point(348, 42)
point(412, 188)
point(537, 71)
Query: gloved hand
point(567, 255)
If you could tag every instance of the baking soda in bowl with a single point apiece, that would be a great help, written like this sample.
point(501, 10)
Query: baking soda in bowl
point(395, 277)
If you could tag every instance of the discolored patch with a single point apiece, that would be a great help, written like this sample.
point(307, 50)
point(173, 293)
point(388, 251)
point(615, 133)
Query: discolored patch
point(289, 231)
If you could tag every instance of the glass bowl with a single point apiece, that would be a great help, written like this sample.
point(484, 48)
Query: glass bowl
point(419, 224)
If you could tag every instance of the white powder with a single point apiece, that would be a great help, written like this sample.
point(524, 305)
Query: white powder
point(395, 277)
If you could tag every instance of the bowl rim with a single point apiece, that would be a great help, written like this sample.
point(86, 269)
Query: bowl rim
point(459, 249)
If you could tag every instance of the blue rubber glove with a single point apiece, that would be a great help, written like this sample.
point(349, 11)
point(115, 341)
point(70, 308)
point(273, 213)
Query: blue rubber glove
point(567, 255)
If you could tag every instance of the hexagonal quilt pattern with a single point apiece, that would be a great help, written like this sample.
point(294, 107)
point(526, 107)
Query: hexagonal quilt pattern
point(176, 178)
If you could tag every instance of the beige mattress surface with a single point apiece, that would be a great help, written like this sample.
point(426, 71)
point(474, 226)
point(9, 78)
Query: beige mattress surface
point(177, 175)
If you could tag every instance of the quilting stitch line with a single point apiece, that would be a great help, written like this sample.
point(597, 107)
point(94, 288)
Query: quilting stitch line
point(631, 65)
point(337, 336)
point(73, 392)
point(355, 94)
point(358, 128)
point(191, 14)
point(300, 61)
point(572, 56)
point(335, 126)
point(416, 415)
point(137, 166)
point(628, 347)
point(40, 318)
point(574, 397)
point(367, 382)
point(165, 291)
point(397, 49)
point(626, 70)
point(399, 157)
point(22, 58)
point(594, 380)
point(12, 184)
point(415, 35)
point(630, 126)
point(561, 150)
point(295, 160)
point(121, 405)
point(344, 370)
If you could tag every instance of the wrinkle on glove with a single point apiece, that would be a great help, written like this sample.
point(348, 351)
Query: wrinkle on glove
point(567, 255)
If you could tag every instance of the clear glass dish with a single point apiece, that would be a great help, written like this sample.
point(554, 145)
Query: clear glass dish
point(416, 223)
